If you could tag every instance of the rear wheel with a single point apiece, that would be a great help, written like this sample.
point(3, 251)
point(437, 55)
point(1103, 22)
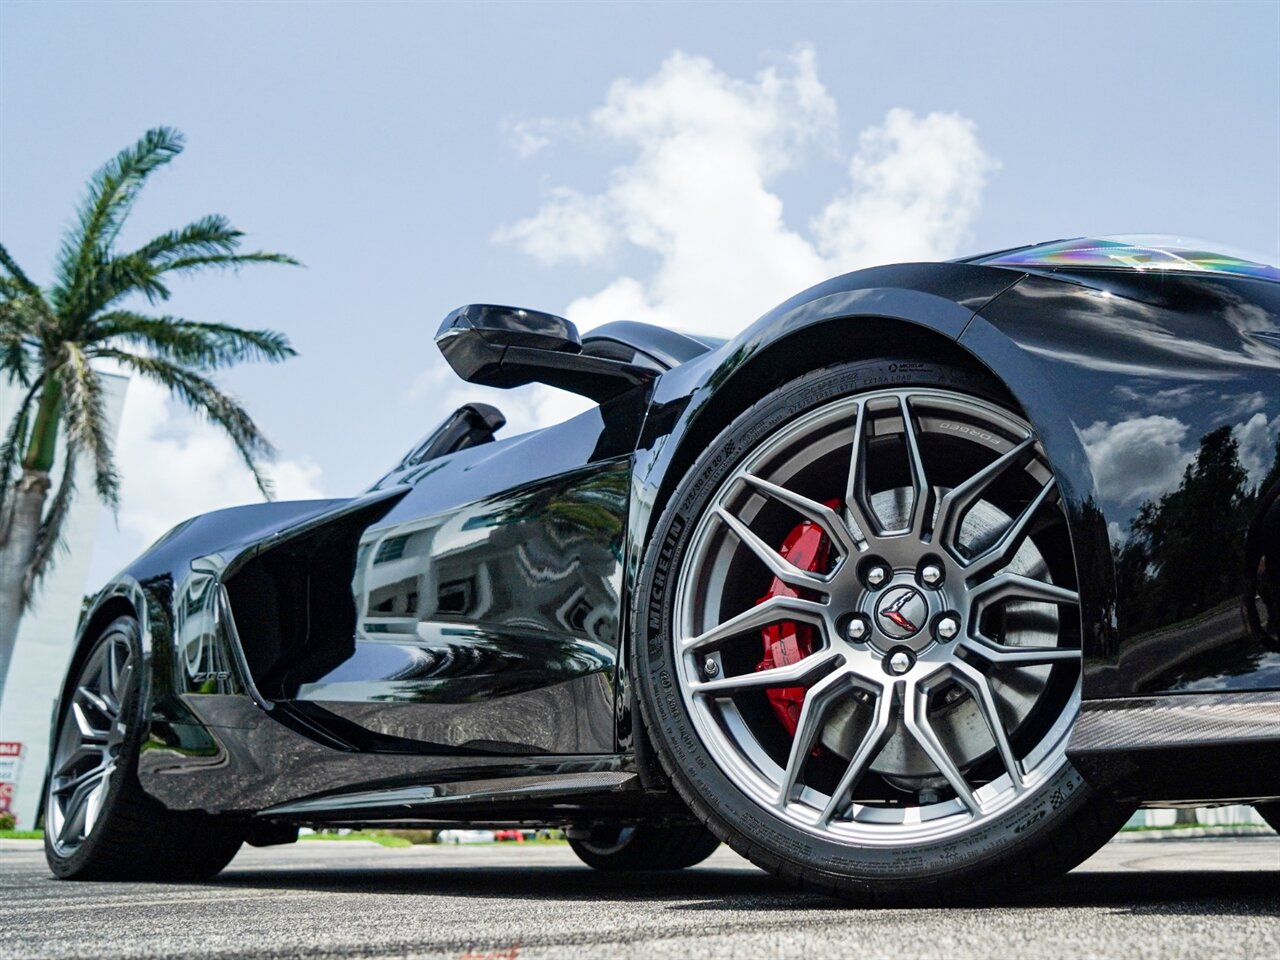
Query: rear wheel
point(99, 825)
point(1270, 812)
point(645, 847)
point(860, 655)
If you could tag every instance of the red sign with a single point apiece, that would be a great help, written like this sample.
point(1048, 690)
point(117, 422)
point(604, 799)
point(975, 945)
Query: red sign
point(10, 758)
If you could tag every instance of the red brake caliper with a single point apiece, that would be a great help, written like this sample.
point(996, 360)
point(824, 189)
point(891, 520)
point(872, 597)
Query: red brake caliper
point(808, 548)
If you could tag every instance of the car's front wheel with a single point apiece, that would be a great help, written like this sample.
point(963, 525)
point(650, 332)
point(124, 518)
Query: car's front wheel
point(859, 639)
point(98, 822)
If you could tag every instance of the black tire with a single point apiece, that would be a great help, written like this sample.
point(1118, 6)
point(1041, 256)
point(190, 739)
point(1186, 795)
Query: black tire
point(134, 837)
point(1051, 832)
point(646, 847)
point(1270, 812)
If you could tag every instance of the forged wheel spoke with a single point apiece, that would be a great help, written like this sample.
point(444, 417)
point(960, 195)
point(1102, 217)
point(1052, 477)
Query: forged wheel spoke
point(952, 507)
point(753, 618)
point(978, 685)
point(922, 498)
point(1000, 655)
point(916, 717)
point(1014, 586)
point(74, 758)
point(856, 485)
point(74, 826)
point(88, 777)
point(1002, 551)
point(818, 699)
point(93, 805)
point(96, 702)
point(778, 565)
point(121, 685)
point(105, 679)
point(873, 742)
point(788, 676)
point(88, 732)
point(819, 513)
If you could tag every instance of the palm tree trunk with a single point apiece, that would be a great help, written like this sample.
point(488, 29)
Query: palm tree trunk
point(17, 542)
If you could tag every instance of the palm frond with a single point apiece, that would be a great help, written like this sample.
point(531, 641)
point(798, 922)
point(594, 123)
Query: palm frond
point(134, 273)
point(123, 276)
point(84, 421)
point(14, 439)
point(19, 279)
point(204, 345)
point(16, 345)
point(204, 398)
point(226, 261)
point(208, 236)
point(24, 319)
point(49, 540)
point(107, 202)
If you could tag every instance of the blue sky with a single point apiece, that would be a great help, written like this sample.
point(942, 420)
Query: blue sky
point(420, 156)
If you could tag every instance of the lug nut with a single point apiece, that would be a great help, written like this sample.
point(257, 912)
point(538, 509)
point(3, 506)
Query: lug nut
point(931, 575)
point(948, 627)
point(856, 630)
point(710, 667)
point(876, 576)
point(899, 663)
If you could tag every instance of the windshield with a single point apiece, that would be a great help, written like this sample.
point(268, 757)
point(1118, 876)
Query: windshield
point(1139, 252)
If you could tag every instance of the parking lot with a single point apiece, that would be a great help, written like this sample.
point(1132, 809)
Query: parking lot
point(1170, 898)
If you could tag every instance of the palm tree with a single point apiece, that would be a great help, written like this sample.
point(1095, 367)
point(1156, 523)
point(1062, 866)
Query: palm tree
point(50, 339)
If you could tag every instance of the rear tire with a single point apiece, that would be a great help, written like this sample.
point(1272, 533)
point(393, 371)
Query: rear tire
point(882, 807)
point(1270, 812)
point(646, 847)
point(99, 824)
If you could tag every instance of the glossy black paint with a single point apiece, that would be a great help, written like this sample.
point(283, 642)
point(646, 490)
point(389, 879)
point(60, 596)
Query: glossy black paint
point(509, 347)
point(473, 615)
point(1161, 404)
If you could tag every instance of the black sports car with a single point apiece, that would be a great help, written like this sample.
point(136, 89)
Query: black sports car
point(916, 587)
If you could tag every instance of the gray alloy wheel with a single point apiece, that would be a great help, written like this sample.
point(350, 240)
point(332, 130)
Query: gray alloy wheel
point(99, 824)
point(859, 639)
point(906, 682)
point(89, 745)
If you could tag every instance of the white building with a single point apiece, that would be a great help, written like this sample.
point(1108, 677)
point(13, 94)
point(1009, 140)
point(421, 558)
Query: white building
point(48, 629)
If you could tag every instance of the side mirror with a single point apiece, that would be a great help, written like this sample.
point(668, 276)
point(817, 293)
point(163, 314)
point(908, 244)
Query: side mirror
point(509, 347)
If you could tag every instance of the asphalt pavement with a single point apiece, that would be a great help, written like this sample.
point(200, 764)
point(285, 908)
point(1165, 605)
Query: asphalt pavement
point(1168, 899)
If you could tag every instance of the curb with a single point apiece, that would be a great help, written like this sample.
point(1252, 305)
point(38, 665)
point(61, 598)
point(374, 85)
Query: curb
point(1193, 833)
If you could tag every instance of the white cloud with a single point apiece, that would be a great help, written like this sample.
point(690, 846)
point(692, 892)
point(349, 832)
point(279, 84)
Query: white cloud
point(526, 137)
point(174, 466)
point(696, 200)
point(916, 185)
point(697, 194)
point(1257, 440)
point(569, 226)
point(1136, 459)
point(532, 135)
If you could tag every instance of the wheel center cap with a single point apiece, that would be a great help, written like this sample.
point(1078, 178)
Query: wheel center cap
point(901, 612)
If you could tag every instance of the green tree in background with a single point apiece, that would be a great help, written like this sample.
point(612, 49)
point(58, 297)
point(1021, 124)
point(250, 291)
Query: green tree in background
point(1176, 564)
point(50, 338)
